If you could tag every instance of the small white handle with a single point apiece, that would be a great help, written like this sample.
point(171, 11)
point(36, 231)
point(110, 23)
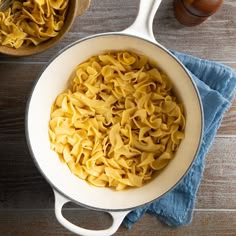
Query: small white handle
point(116, 216)
point(142, 26)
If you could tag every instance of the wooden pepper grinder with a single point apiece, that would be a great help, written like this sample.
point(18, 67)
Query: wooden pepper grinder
point(194, 12)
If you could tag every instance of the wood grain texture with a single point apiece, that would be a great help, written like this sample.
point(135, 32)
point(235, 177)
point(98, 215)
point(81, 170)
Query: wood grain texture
point(43, 223)
point(218, 186)
point(26, 199)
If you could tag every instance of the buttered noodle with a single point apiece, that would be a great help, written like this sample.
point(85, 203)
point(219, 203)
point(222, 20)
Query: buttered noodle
point(31, 22)
point(118, 123)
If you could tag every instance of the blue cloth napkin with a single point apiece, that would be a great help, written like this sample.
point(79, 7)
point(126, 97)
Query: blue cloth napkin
point(216, 84)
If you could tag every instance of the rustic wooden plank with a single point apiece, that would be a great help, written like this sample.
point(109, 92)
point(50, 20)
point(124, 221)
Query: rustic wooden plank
point(44, 223)
point(228, 125)
point(16, 86)
point(212, 40)
point(219, 180)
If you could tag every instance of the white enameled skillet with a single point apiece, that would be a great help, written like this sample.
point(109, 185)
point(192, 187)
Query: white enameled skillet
point(67, 187)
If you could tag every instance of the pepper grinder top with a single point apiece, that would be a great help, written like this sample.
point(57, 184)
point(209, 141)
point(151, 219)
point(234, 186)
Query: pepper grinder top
point(194, 12)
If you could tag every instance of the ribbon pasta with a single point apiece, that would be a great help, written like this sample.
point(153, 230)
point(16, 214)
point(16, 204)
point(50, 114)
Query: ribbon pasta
point(119, 123)
point(31, 22)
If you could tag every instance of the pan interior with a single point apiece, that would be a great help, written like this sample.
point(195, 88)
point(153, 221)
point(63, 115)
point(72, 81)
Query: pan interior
point(54, 80)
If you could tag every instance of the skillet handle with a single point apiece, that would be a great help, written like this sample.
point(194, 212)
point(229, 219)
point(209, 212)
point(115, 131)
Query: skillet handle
point(142, 26)
point(116, 216)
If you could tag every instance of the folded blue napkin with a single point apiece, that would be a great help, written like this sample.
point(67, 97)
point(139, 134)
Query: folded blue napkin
point(216, 84)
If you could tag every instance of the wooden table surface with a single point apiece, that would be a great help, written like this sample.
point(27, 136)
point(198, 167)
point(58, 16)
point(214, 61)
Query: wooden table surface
point(27, 201)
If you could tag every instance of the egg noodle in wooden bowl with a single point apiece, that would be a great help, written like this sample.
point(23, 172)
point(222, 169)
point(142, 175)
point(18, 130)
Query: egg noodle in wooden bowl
point(28, 27)
point(119, 122)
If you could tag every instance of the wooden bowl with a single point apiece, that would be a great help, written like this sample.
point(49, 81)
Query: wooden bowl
point(76, 8)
